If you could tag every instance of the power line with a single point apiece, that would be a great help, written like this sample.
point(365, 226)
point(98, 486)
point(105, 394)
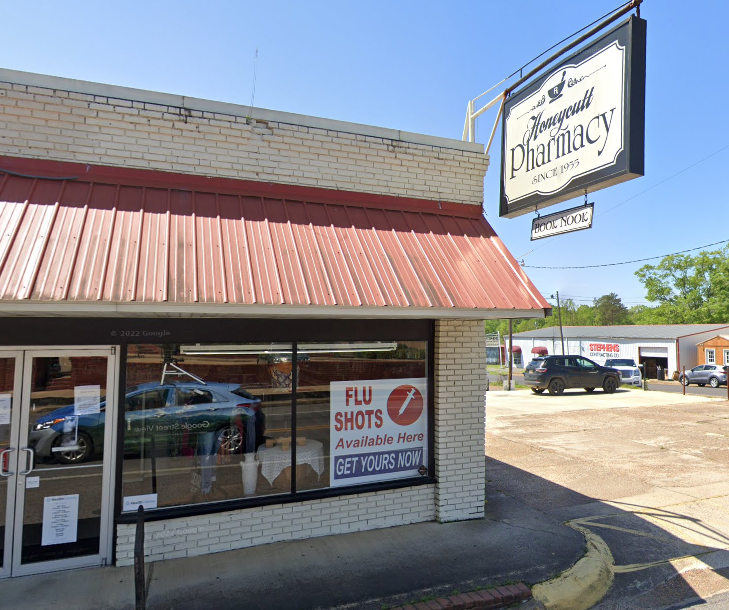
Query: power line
point(564, 40)
point(671, 177)
point(638, 260)
point(685, 169)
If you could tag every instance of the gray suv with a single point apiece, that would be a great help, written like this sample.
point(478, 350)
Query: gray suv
point(713, 374)
point(557, 373)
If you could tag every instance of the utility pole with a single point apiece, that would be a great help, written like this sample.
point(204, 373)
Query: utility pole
point(511, 351)
point(559, 314)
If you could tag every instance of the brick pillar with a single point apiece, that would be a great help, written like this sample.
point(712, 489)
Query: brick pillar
point(460, 388)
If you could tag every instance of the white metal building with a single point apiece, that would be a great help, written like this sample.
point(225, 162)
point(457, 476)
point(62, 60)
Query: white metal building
point(670, 346)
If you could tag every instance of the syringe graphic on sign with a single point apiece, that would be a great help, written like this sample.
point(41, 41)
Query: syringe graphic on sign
point(405, 405)
point(407, 402)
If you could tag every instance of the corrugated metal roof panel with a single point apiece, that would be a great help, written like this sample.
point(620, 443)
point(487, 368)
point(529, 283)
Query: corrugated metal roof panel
point(657, 331)
point(71, 240)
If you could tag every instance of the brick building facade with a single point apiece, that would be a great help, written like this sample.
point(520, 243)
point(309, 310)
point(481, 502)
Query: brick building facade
point(178, 232)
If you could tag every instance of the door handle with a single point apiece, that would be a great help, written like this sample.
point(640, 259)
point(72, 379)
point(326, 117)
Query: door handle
point(3, 473)
point(32, 461)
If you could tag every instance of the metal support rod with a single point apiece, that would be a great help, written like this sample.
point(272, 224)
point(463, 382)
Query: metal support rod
point(140, 585)
point(496, 124)
point(683, 381)
point(634, 4)
point(511, 351)
point(477, 113)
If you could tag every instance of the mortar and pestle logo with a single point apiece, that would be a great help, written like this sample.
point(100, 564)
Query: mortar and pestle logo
point(556, 92)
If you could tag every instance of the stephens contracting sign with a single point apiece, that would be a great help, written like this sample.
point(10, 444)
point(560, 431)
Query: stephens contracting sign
point(579, 127)
point(378, 430)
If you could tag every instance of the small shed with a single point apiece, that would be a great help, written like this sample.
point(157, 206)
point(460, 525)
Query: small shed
point(713, 351)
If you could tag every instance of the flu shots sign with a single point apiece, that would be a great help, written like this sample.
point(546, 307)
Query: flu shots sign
point(378, 430)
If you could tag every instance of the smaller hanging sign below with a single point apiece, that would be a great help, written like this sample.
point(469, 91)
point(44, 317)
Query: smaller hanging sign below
point(60, 519)
point(567, 221)
point(87, 399)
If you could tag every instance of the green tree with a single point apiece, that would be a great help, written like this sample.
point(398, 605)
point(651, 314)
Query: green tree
point(609, 310)
point(687, 289)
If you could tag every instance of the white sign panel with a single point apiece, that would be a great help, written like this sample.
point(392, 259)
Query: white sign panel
point(570, 126)
point(378, 430)
point(132, 503)
point(574, 219)
point(87, 399)
point(601, 351)
point(5, 402)
point(60, 520)
point(579, 127)
point(32, 482)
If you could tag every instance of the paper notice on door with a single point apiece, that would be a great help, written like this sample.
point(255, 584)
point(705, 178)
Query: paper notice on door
point(87, 399)
point(5, 401)
point(60, 519)
point(32, 482)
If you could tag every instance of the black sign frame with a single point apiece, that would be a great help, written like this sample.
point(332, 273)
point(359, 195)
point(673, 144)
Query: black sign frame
point(630, 162)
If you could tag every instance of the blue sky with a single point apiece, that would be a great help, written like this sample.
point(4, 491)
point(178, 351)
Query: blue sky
point(414, 66)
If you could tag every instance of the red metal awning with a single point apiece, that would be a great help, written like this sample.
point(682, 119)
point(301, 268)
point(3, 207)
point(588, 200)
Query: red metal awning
point(85, 241)
point(542, 351)
point(515, 349)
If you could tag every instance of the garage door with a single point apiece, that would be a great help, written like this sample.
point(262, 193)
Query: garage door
point(653, 352)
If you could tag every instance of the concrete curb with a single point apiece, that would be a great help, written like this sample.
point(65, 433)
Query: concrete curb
point(585, 583)
point(491, 599)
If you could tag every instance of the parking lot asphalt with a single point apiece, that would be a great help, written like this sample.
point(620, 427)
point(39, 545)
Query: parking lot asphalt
point(524, 402)
point(643, 473)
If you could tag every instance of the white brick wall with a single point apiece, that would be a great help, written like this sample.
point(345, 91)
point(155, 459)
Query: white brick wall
point(238, 529)
point(460, 388)
point(51, 123)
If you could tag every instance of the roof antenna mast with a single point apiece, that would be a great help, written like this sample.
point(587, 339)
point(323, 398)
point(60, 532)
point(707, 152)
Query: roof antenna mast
point(253, 88)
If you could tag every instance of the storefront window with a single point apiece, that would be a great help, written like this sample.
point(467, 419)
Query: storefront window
point(361, 413)
point(194, 416)
point(211, 422)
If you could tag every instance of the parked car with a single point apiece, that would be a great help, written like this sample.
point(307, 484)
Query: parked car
point(713, 374)
point(536, 361)
point(557, 373)
point(171, 415)
point(629, 370)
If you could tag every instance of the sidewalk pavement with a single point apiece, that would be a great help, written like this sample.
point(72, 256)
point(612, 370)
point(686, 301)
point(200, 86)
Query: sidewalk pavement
point(369, 570)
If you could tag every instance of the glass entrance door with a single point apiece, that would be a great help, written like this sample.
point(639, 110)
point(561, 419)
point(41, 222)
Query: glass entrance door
point(59, 456)
point(11, 368)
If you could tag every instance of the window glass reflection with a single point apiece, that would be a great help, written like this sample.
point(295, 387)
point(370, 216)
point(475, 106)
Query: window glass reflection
point(194, 416)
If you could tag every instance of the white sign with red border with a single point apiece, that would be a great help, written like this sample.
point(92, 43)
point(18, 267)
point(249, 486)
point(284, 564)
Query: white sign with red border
point(378, 430)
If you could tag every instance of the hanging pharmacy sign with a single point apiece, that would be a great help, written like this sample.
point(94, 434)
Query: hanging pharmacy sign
point(578, 128)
